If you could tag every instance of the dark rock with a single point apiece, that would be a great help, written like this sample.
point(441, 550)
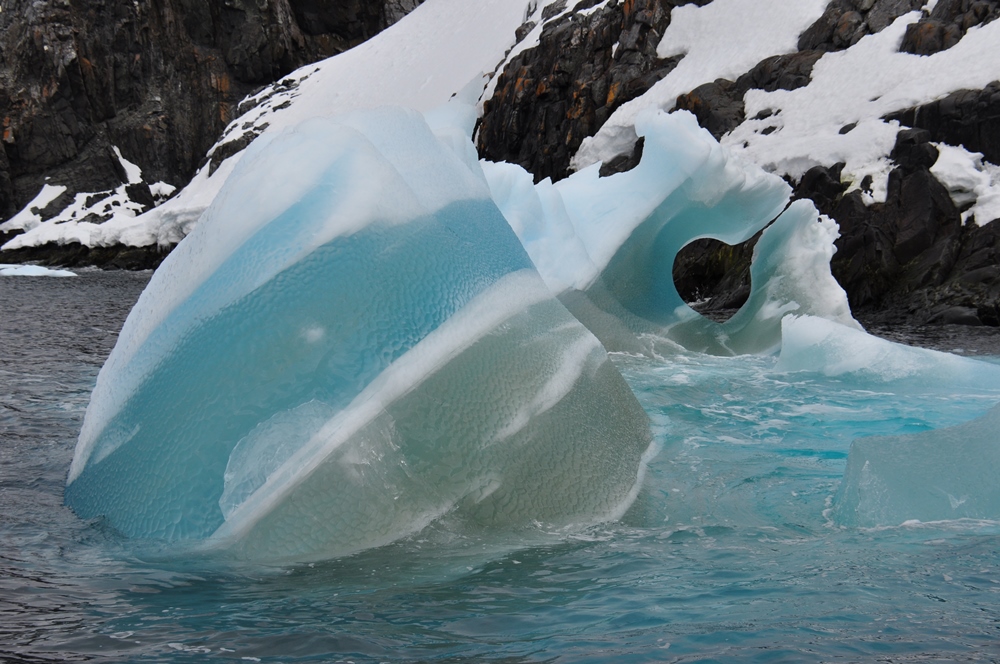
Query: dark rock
point(821, 185)
point(913, 150)
point(930, 36)
point(921, 213)
point(844, 22)
point(523, 31)
point(711, 270)
point(120, 257)
point(159, 80)
point(625, 162)
point(549, 98)
point(954, 316)
point(947, 24)
point(717, 106)
point(884, 12)
point(780, 72)
point(552, 10)
point(970, 118)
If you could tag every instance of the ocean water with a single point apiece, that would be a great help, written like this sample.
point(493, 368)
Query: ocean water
point(729, 555)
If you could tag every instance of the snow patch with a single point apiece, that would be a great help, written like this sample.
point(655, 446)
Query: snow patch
point(32, 271)
point(722, 39)
point(974, 184)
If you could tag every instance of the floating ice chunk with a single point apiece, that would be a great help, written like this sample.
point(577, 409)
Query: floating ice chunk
point(821, 346)
point(607, 245)
point(937, 475)
point(350, 344)
point(32, 271)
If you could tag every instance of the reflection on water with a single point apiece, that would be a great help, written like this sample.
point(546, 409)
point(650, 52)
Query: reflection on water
point(727, 556)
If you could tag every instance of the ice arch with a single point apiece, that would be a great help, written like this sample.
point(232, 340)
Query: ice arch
point(607, 245)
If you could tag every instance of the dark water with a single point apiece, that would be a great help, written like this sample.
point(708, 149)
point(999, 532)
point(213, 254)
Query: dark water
point(729, 555)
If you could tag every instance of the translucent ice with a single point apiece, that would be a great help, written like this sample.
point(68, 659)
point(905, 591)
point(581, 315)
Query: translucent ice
point(607, 245)
point(929, 476)
point(934, 475)
point(812, 344)
point(351, 344)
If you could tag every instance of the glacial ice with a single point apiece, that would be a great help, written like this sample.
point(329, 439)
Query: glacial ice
point(935, 475)
point(815, 345)
point(350, 344)
point(607, 245)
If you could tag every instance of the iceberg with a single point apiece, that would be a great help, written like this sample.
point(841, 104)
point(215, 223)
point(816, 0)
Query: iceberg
point(351, 344)
point(941, 474)
point(606, 245)
point(935, 475)
point(816, 345)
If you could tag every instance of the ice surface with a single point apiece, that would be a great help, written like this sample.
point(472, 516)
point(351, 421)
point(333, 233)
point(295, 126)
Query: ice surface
point(350, 344)
point(814, 345)
point(972, 182)
point(607, 245)
point(947, 473)
point(32, 271)
point(935, 475)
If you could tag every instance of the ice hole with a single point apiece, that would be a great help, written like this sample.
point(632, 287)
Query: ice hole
point(713, 277)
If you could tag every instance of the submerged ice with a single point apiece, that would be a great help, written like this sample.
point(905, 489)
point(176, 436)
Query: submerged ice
point(937, 475)
point(351, 344)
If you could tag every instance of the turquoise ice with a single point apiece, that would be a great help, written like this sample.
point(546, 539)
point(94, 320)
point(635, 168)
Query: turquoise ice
point(352, 344)
point(607, 245)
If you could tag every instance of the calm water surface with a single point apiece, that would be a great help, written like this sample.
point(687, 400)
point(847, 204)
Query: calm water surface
point(729, 555)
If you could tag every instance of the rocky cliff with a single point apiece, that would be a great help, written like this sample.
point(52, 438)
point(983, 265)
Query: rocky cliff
point(911, 256)
point(159, 83)
point(157, 80)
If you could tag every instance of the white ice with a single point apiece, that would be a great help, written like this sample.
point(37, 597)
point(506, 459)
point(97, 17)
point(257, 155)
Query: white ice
point(607, 245)
point(32, 271)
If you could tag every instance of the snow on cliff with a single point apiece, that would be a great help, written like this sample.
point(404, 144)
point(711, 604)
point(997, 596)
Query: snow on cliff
point(438, 49)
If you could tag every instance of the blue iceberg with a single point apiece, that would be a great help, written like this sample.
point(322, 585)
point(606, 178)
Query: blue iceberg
point(351, 344)
point(607, 245)
point(938, 475)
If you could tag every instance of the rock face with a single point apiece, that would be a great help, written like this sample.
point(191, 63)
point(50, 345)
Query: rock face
point(946, 24)
point(846, 21)
point(908, 258)
point(159, 80)
point(551, 97)
point(970, 118)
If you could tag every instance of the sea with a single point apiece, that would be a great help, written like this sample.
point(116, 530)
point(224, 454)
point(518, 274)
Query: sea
point(730, 553)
